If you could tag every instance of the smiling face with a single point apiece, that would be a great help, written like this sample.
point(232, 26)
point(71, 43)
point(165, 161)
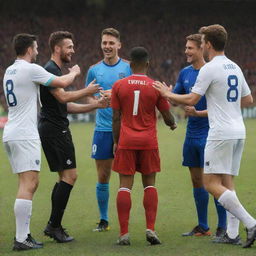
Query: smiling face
point(66, 50)
point(110, 46)
point(193, 52)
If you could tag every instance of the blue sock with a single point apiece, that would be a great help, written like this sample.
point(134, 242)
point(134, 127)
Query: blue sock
point(102, 194)
point(222, 215)
point(201, 197)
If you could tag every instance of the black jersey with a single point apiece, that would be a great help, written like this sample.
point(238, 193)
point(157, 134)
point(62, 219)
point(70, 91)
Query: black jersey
point(53, 116)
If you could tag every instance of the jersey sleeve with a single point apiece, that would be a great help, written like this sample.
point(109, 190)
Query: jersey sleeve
point(115, 103)
point(179, 88)
point(203, 81)
point(90, 76)
point(40, 76)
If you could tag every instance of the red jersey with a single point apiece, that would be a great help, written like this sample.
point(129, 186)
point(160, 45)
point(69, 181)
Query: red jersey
point(137, 100)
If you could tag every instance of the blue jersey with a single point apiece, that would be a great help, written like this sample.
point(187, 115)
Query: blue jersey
point(106, 75)
point(197, 127)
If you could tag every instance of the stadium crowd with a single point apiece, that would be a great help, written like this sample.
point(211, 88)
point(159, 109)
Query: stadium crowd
point(162, 32)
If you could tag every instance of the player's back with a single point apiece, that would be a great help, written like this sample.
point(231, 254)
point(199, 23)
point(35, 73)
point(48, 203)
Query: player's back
point(137, 101)
point(223, 96)
point(21, 95)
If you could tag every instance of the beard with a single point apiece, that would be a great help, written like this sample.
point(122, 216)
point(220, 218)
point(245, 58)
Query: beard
point(64, 58)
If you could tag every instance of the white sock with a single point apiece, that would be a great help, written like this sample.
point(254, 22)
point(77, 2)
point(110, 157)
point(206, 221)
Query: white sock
point(232, 224)
point(22, 211)
point(231, 203)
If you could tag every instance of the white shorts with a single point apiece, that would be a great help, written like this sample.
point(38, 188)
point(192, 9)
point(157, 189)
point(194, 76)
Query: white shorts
point(223, 156)
point(24, 155)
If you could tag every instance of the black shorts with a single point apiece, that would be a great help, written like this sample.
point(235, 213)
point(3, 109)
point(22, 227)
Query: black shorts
point(59, 151)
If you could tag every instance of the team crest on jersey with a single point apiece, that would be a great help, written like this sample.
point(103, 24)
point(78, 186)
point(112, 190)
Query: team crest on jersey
point(207, 163)
point(37, 162)
point(69, 162)
point(121, 75)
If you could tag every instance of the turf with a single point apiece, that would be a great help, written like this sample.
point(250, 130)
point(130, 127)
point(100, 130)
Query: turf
point(176, 212)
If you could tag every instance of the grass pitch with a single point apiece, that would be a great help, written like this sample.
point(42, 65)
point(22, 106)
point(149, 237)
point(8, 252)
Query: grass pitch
point(176, 211)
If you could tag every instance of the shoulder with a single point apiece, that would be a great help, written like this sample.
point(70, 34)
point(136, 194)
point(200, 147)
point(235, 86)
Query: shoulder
point(96, 65)
point(51, 67)
point(125, 61)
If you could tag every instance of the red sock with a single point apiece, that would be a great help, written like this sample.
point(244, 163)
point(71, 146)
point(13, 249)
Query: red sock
point(150, 203)
point(123, 203)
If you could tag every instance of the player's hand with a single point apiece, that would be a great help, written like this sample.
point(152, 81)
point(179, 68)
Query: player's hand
point(190, 111)
point(106, 93)
point(173, 126)
point(103, 102)
point(93, 88)
point(75, 69)
point(164, 90)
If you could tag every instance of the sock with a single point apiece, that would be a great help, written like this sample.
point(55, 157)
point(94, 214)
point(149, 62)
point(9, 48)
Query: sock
point(150, 203)
point(22, 211)
point(123, 203)
point(230, 202)
point(52, 195)
point(222, 214)
point(233, 226)
point(201, 197)
point(59, 203)
point(102, 194)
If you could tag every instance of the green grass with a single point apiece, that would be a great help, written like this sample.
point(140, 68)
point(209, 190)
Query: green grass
point(176, 212)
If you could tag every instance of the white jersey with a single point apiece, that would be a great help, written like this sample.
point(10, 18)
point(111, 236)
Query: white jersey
point(223, 83)
point(20, 84)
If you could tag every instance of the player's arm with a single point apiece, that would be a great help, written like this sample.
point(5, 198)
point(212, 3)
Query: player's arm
point(91, 99)
point(65, 80)
point(169, 119)
point(74, 108)
point(186, 99)
point(191, 111)
point(116, 125)
point(246, 101)
point(67, 96)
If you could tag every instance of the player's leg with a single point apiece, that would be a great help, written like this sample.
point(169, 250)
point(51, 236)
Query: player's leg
point(24, 156)
point(60, 154)
point(124, 164)
point(193, 157)
point(102, 152)
point(231, 235)
point(214, 180)
point(149, 164)
point(124, 203)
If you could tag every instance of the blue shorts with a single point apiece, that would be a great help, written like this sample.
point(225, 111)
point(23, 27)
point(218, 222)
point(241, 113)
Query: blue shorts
point(102, 145)
point(193, 152)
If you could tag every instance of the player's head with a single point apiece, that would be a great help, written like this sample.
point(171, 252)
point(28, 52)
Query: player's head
point(110, 43)
point(193, 48)
point(214, 37)
point(139, 59)
point(25, 44)
point(61, 45)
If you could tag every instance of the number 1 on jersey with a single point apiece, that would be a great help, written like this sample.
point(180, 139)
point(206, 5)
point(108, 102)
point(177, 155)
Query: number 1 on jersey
point(136, 102)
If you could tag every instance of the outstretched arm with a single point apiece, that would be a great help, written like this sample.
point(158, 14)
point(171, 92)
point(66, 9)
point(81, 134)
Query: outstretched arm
point(67, 96)
point(186, 99)
point(65, 80)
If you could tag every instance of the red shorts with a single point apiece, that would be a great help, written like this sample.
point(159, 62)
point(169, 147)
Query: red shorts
point(129, 161)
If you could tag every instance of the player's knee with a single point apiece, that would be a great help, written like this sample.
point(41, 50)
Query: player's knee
point(104, 177)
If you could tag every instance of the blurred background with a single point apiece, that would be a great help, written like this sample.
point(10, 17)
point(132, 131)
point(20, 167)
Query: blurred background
point(159, 25)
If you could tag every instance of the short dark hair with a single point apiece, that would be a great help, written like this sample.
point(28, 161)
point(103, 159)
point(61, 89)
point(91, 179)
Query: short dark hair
point(139, 55)
point(112, 32)
point(216, 35)
point(195, 38)
point(56, 37)
point(22, 42)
